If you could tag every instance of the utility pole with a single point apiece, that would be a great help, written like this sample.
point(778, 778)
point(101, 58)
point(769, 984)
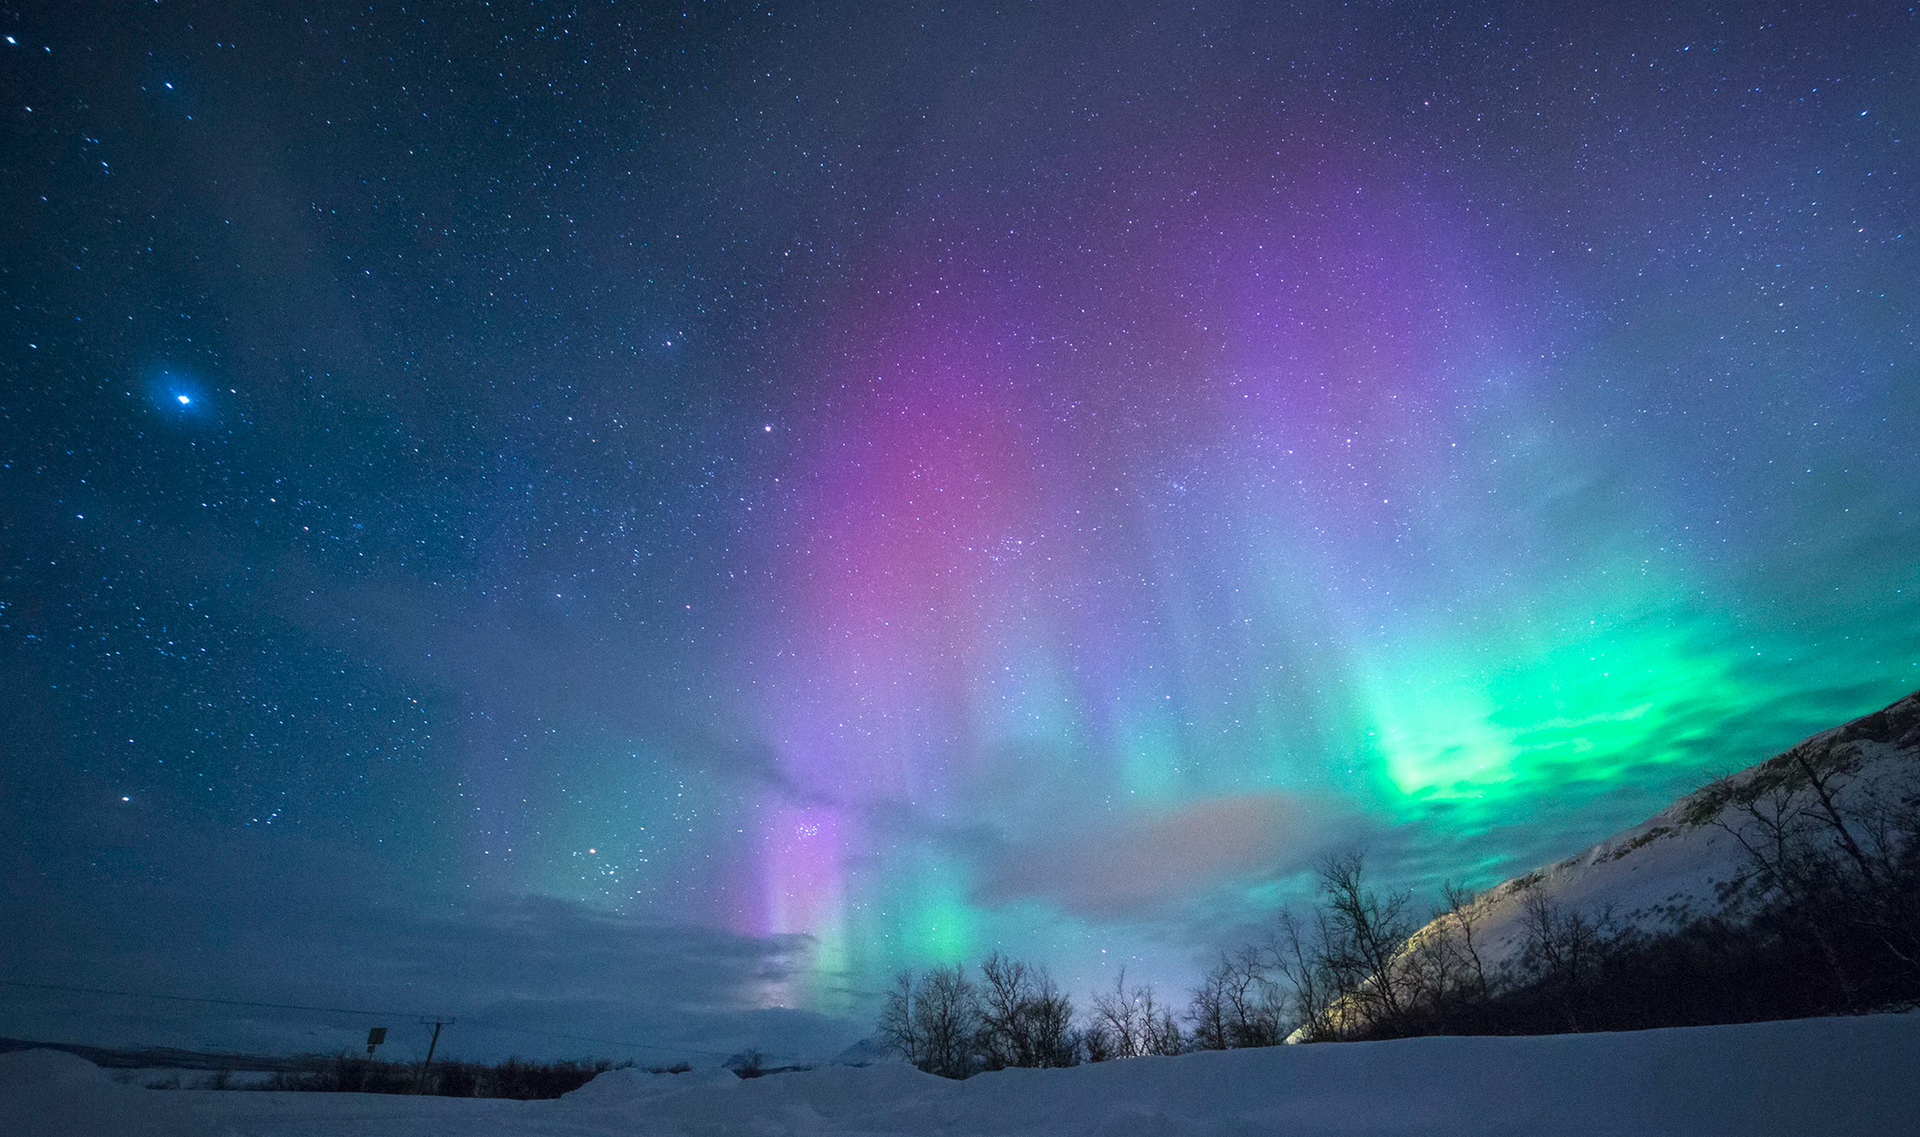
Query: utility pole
point(420, 1087)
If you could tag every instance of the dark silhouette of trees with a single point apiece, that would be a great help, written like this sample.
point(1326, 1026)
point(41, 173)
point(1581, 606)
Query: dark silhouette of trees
point(514, 1078)
point(1050, 1026)
point(1360, 939)
point(1562, 952)
point(947, 1013)
point(1134, 1022)
point(1024, 1018)
point(1832, 867)
point(933, 1021)
point(898, 1026)
point(946, 1024)
point(1237, 1004)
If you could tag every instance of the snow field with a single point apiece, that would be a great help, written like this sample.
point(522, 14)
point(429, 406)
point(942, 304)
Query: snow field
point(1843, 1076)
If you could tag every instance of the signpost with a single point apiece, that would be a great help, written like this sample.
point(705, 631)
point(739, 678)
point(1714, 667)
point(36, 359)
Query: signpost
point(375, 1037)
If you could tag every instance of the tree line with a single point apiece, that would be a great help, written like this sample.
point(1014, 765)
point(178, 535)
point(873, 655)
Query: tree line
point(1822, 917)
point(1014, 1015)
point(1313, 979)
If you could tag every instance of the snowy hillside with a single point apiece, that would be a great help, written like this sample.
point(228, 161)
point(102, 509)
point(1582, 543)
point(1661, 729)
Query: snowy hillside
point(1675, 861)
point(1806, 1078)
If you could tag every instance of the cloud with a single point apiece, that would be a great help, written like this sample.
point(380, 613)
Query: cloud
point(521, 975)
point(1150, 862)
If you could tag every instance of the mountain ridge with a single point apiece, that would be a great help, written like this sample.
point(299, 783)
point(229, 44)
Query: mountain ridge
point(1687, 860)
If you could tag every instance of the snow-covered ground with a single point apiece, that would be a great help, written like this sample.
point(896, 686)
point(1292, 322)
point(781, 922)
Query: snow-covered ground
point(1806, 1078)
point(1674, 863)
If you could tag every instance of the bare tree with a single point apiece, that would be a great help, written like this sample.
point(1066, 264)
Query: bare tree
point(946, 1024)
point(1163, 1030)
point(1255, 1010)
point(1206, 1010)
point(1835, 864)
point(1463, 920)
point(1097, 1042)
point(1561, 950)
point(897, 1024)
point(1821, 782)
point(1118, 1011)
point(1005, 991)
point(1237, 1004)
point(1783, 870)
point(1441, 969)
point(1025, 1020)
point(1361, 940)
point(1297, 957)
point(1049, 1024)
point(946, 1014)
point(1134, 1022)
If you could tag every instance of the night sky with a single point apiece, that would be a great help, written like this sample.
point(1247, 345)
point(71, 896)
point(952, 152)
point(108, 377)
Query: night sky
point(640, 520)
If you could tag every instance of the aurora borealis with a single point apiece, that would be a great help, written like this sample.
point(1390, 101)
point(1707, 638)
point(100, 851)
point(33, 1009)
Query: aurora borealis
point(813, 490)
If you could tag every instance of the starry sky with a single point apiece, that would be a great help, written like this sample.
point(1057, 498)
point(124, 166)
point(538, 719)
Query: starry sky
point(639, 520)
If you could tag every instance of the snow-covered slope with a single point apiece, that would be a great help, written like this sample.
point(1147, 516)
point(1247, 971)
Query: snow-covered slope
point(1807, 1078)
point(1675, 861)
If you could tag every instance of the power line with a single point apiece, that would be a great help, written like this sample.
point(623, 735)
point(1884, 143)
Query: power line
point(471, 1023)
point(602, 1041)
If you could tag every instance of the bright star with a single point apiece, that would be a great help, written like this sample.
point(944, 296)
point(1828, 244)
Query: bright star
point(184, 399)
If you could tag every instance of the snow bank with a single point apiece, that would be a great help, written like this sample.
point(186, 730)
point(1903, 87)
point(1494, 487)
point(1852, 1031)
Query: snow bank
point(51, 1068)
point(617, 1087)
point(1817, 1076)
